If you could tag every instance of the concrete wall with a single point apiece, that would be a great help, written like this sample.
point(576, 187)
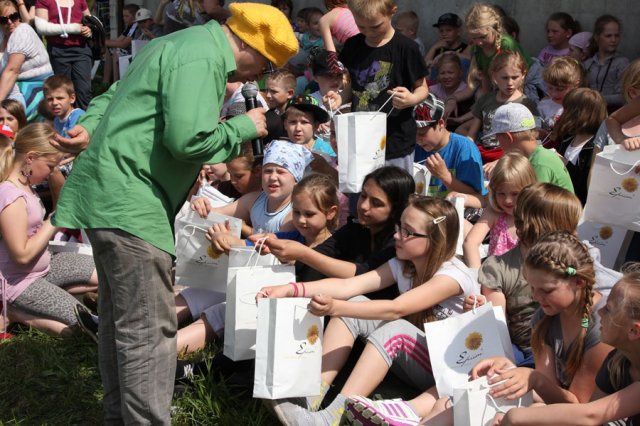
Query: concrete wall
point(531, 15)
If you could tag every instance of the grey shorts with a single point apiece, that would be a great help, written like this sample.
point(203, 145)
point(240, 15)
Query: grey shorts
point(402, 345)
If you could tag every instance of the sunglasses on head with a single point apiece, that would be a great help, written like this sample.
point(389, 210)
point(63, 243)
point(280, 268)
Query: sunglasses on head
point(4, 20)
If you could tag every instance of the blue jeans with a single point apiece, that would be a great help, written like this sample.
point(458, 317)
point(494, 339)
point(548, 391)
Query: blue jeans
point(137, 331)
point(523, 358)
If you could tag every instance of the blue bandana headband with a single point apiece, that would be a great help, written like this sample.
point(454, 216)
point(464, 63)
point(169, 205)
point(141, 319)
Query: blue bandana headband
point(293, 157)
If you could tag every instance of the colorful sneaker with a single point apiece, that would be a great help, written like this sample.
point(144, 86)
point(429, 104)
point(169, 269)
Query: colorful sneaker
point(363, 411)
point(87, 321)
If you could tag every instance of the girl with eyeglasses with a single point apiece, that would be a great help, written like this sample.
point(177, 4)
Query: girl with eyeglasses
point(432, 284)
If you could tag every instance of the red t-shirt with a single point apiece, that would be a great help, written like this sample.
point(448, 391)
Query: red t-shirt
point(76, 18)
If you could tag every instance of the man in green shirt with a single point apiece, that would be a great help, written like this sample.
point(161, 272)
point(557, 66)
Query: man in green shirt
point(514, 127)
point(150, 134)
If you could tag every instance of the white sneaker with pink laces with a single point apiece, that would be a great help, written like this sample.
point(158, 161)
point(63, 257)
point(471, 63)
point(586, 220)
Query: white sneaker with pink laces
point(363, 411)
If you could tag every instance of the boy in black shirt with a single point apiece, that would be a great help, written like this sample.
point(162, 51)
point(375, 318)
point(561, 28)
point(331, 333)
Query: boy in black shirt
point(381, 62)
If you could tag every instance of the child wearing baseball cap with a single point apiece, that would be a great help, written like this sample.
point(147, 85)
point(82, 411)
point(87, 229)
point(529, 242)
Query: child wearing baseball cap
point(515, 129)
point(453, 160)
point(449, 28)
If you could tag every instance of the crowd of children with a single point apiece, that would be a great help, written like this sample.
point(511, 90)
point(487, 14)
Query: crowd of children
point(515, 135)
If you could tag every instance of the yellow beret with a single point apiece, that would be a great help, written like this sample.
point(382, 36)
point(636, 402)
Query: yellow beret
point(264, 28)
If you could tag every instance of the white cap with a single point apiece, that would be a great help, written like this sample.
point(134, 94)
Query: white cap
point(143, 14)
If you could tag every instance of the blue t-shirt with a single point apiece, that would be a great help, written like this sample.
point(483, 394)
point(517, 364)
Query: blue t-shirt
point(463, 161)
point(63, 126)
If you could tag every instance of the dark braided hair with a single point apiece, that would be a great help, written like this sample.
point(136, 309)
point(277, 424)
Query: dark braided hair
point(565, 257)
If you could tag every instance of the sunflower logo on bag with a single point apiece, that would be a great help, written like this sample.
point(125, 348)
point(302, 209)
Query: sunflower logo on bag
point(313, 334)
point(473, 341)
point(605, 232)
point(629, 184)
point(212, 253)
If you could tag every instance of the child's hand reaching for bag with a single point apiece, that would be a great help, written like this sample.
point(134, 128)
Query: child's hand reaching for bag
point(202, 206)
point(512, 383)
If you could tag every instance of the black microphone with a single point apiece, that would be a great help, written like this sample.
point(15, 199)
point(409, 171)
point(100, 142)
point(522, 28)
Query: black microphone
point(250, 95)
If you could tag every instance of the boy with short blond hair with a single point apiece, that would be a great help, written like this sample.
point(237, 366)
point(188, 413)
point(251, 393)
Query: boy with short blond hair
point(387, 74)
point(60, 95)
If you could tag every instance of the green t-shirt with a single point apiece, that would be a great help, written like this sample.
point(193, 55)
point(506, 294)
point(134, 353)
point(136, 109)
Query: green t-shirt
point(150, 134)
point(549, 168)
point(507, 43)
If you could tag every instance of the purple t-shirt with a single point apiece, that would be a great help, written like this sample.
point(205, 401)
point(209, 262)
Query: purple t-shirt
point(548, 53)
point(20, 276)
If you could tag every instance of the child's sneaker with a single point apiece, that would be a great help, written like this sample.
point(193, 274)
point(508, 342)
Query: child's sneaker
point(87, 321)
point(363, 411)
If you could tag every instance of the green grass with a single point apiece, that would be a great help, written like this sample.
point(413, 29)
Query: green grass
point(55, 381)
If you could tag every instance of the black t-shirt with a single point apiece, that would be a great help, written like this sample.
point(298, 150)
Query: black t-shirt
point(603, 381)
point(373, 71)
point(352, 243)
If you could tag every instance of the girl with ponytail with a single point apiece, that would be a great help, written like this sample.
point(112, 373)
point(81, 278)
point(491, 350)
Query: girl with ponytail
point(33, 282)
point(566, 332)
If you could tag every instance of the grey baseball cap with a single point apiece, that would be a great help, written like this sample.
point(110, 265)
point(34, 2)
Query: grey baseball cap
point(511, 118)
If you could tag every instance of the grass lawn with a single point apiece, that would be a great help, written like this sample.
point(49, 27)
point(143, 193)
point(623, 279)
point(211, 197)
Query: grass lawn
point(54, 381)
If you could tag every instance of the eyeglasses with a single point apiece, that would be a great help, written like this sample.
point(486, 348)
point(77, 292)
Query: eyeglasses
point(270, 69)
point(4, 20)
point(405, 233)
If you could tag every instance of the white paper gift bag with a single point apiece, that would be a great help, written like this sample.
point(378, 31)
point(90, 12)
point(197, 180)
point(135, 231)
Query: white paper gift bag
point(607, 238)
point(241, 311)
point(288, 349)
point(70, 247)
point(196, 263)
point(614, 190)
point(422, 178)
point(457, 343)
point(473, 406)
point(362, 140)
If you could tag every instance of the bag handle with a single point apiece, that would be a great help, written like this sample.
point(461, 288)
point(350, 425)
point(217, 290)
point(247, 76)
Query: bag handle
point(193, 230)
point(385, 103)
point(258, 251)
point(623, 173)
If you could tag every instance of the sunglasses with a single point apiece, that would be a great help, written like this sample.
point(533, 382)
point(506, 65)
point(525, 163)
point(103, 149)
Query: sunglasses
point(4, 20)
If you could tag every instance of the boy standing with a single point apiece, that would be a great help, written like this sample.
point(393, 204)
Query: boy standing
point(384, 64)
point(515, 129)
point(60, 97)
point(453, 160)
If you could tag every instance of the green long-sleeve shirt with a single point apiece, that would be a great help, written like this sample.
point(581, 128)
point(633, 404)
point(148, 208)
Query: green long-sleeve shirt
point(150, 133)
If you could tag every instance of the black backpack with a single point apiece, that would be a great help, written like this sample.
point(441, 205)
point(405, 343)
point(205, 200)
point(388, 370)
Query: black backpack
point(98, 35)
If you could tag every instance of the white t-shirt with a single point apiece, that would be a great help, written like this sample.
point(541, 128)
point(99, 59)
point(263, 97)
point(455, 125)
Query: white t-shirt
point(466, 278)
point(25, 41)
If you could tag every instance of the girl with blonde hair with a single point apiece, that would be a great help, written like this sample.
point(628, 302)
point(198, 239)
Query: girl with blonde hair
point(512, 173)
point(33, 280)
